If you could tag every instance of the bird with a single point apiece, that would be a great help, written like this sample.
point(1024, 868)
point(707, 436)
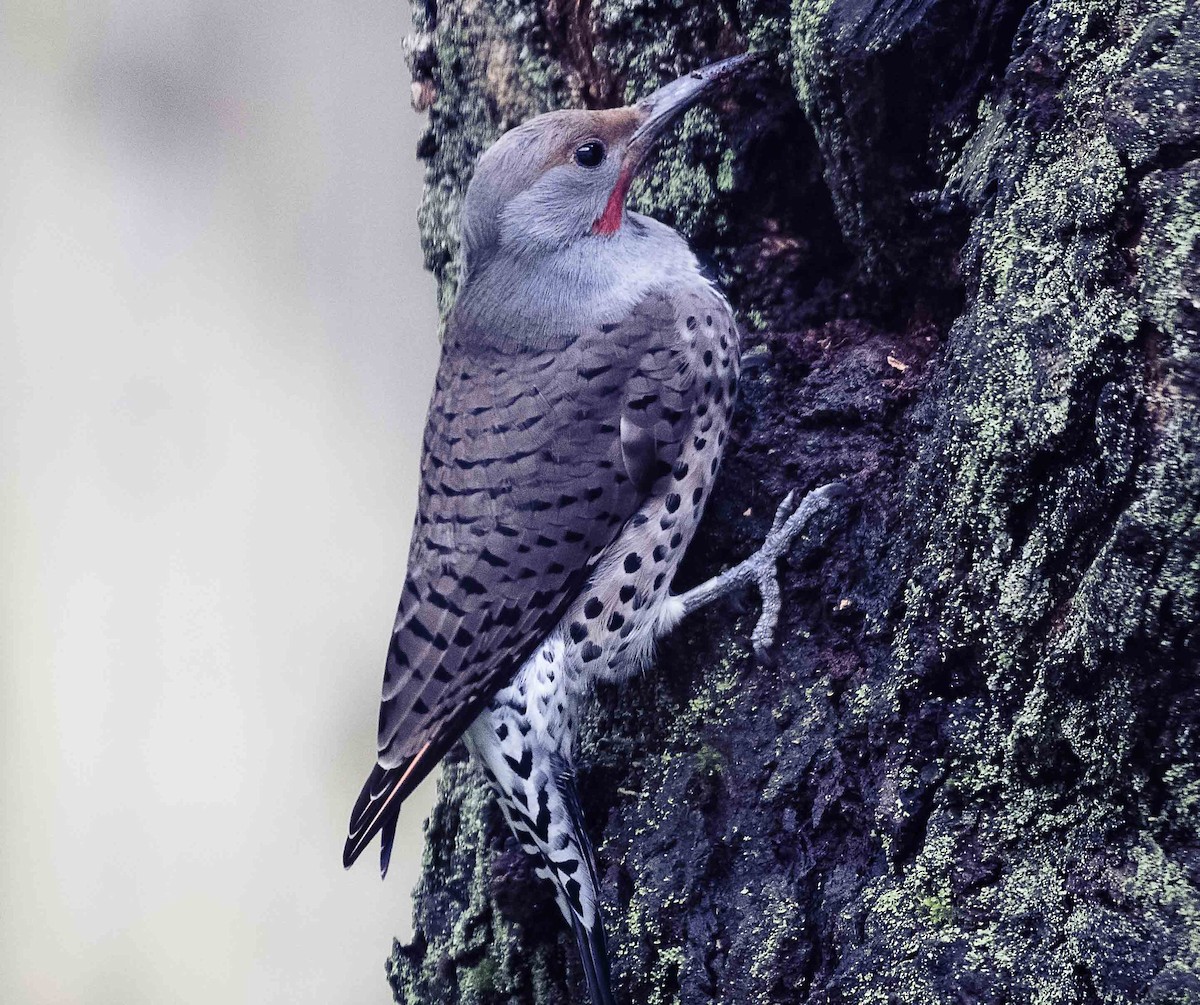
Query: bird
point(581, 408)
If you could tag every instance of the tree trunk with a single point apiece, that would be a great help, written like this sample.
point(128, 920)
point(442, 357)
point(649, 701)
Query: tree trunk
point(962, 241)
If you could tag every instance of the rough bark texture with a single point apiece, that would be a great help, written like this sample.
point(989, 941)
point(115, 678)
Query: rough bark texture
point(963, 241)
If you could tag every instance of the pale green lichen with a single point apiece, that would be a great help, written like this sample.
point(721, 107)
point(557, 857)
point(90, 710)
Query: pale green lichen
point(776, 932)
point(1053, 317)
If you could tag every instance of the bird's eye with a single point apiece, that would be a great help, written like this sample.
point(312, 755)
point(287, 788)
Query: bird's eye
point(590, 154)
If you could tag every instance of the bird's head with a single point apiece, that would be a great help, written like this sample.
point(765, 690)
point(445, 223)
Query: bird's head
point(563, 177)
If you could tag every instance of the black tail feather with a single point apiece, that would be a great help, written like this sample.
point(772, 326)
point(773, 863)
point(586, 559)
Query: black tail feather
point(593, 953)
point(386, 837)
point(379, 804)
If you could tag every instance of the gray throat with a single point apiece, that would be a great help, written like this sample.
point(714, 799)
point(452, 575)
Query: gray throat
point(542, 298)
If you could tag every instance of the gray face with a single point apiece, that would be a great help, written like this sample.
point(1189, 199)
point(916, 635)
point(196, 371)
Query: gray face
point(536, 191)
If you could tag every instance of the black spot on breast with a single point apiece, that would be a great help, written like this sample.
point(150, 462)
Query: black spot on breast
point(708, 357)
point(660, 552)
point(698, 494)
point(691, 323)
point(590, 652)
point(658, 580)
point(524, 766)
point(502, 735)
point(579, 631)
point(615, 621)
point(593, 608)
point(633, 562)
point(708, 320)
point(571, 888)
point(627, 592)
point(542, 824)
point(680, 472)
point(672, 502)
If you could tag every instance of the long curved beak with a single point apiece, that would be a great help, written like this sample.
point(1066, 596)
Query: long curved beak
point(663, 106)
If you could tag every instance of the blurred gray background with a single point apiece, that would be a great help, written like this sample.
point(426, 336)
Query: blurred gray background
point(216, 351)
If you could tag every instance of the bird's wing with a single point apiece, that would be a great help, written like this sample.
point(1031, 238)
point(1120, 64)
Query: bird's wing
point(532, 463)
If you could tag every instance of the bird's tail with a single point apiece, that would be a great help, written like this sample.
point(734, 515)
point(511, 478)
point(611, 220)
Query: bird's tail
point(379, 803)
point(540, 801)
point(593, 953)
point(591, 940)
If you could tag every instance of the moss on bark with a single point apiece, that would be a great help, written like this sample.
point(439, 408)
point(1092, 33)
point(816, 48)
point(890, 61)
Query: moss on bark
point(964, 241)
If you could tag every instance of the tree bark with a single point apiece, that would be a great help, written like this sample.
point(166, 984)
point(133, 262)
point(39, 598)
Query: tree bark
point(962, 241)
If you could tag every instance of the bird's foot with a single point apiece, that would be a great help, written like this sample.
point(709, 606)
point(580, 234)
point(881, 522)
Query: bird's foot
point(760, 568)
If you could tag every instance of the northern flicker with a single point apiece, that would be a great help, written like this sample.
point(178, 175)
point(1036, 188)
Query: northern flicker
point(582, 404)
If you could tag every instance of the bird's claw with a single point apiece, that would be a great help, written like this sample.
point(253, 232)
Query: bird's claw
point(760, 568)
point(786, 509)
point(790, 519)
